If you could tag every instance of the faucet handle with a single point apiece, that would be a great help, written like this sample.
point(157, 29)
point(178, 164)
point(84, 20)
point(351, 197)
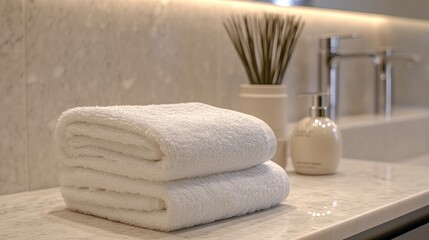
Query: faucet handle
point(332, 41)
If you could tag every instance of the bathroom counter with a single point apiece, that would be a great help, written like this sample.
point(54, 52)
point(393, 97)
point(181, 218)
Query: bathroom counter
point(363, 194)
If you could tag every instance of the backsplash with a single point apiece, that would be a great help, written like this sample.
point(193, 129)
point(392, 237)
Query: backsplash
point(13, 163)
point(56, 55)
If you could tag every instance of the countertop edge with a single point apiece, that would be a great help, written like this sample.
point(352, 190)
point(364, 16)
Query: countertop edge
point(367, 220)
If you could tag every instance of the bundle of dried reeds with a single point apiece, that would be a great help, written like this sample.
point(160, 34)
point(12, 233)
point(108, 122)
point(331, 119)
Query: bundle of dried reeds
point(265, 44)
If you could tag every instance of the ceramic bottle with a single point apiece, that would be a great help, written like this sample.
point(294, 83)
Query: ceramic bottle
point(316, 143)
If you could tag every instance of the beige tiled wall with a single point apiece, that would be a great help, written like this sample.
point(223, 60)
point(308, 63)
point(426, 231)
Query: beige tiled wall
point(106, 52)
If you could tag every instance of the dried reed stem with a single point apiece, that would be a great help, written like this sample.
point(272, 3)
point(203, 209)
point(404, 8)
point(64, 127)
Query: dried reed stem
point(264, 44)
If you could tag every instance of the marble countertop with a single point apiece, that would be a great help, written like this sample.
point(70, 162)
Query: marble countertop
point(361, 195)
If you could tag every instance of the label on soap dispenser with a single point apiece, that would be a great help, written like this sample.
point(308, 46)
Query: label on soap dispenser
point(316, 146)
point(303, 132)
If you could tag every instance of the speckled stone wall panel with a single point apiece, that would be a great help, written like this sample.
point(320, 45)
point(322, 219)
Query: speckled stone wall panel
point(13, 165)
point(76, 59)
point(107, 52)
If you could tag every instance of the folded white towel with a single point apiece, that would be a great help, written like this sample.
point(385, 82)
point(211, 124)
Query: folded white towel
point(163, 142)
point(176, 204)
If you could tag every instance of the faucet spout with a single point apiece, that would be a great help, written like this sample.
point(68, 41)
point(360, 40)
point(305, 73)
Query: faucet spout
point(346, 55)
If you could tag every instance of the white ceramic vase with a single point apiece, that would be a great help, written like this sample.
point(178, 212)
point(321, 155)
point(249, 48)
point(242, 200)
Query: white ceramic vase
point(269, 103)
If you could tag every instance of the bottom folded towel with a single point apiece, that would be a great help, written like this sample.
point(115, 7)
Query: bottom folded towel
point(169, 206)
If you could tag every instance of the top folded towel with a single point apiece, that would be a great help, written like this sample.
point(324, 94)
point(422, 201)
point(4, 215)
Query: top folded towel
point(163, 142)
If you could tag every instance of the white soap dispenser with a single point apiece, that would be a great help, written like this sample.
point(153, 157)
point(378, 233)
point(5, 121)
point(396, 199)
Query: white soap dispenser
point(316, 144)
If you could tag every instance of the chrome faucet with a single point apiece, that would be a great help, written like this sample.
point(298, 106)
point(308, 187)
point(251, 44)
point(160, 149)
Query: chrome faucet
point(328, 67)
point(384, 78)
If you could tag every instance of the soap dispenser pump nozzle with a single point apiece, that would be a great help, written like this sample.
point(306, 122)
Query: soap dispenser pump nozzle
point(318, 106)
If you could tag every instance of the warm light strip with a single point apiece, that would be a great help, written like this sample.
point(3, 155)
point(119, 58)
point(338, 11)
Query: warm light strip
point(305, 11)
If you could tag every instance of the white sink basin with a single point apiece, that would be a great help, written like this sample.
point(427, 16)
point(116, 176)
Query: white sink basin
point(403, 137)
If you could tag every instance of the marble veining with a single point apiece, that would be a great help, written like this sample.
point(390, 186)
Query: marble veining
point(362, 194)
point(13, 165)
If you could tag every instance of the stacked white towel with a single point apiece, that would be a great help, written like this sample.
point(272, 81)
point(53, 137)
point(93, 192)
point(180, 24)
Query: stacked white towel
point(167, 167)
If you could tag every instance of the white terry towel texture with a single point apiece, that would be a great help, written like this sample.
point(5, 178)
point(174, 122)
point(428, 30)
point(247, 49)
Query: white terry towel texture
point(163, 142)
point(172, 205)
